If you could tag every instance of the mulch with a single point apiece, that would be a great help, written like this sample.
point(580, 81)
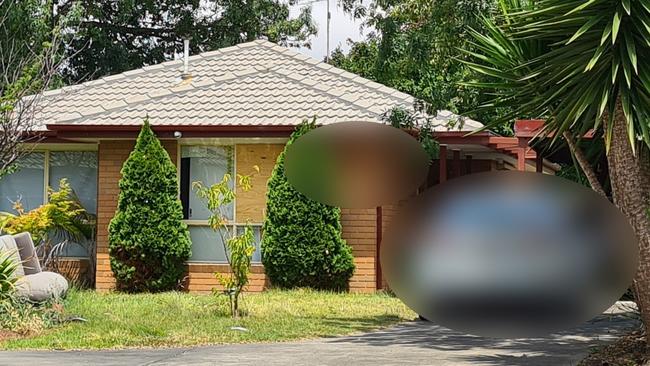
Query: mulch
point(6, 335)
point(629, 350)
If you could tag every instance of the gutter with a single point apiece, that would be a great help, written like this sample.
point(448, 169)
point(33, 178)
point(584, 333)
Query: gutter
point(168, 131)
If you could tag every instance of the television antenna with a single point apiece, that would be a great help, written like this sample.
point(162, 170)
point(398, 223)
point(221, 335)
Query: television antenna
point(329, 20)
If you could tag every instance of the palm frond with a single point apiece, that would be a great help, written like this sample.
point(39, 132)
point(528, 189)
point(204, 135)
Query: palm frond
point(569, 62)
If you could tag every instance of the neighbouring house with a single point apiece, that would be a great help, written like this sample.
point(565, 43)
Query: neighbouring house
point(227, 111)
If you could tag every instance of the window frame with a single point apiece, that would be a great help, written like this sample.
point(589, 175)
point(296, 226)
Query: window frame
point(46, 149)
point(231, 225)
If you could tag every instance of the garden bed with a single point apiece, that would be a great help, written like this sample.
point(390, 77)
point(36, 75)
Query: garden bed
point(5, 335)
point(629, 350)
point(175, 319)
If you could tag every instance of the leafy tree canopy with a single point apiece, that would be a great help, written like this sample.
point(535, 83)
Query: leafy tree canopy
point(23, 29)
point(116, 36)
point(573, 63)
point(415, 49)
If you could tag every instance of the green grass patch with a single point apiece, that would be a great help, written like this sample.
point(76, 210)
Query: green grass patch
point(175, 319)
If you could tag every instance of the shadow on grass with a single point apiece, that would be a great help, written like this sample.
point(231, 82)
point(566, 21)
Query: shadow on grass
point(554, 349)
point(347, 325)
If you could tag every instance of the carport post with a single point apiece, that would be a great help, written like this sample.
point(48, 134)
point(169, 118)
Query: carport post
point(443, 163)
point(521, 155)
point(456, 163)
point(539, 163)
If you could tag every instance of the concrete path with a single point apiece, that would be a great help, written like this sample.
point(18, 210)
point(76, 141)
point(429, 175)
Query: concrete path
point(411, 343)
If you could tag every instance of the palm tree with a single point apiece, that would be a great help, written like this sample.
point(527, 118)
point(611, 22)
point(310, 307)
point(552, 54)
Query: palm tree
point(582, 65)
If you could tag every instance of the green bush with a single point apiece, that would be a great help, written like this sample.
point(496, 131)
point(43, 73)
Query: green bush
point(302, 244)
point(7, 279)
point(17, 314)
point(21, 316)
point(148, 242)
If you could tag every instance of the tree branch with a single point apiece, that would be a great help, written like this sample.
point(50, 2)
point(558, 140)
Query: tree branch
point(163, 33)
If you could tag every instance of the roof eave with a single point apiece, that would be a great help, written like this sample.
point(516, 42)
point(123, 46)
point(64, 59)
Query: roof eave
point(168, 131)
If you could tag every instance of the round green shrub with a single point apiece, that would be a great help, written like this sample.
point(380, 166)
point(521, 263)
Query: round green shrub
point(302, 244)
point(148, 242)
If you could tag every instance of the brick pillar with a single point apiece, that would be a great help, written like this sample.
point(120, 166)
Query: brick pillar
point(360, 231)
point(111, 156)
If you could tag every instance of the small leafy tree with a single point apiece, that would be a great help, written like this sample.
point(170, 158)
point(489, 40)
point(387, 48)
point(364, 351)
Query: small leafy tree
point(62, 213)
point(55, 226)
point(148, 241)
point(239, 249)
point(302, 244)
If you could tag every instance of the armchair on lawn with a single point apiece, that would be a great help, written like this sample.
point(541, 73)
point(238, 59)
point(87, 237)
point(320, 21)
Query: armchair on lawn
point(33, 283)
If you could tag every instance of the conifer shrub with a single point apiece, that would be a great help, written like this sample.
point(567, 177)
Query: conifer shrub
point(148, 242)
point(302, 244)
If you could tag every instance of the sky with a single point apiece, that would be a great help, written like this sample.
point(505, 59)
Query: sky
point(342, 27)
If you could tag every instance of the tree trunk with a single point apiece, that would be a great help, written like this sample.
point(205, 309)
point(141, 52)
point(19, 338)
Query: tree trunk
point(584, 164)
point(630, 178)
point(236, 305)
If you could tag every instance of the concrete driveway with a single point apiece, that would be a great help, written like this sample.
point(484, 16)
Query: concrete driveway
point(411, 343)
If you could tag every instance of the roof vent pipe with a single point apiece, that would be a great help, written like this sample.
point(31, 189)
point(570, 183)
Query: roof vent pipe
point(186, 60)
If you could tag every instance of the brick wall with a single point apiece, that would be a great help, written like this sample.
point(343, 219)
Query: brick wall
point(111, 156)
point(360, 231)
point(73, 269)
point(201, 278)
point(387, 215)
point(359, 226)
point(251, 205)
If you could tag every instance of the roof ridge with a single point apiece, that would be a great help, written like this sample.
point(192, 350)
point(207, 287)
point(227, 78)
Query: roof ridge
point(190, 87)
point(391, 93)
point(234, 77)
point(131, 74)
point(293, 54)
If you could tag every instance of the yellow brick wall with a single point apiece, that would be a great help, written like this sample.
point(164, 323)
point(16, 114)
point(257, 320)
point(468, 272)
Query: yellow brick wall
point(201, 279)
point(359, 226)
point(387, 214)
point(360, 232)
point(252, 204)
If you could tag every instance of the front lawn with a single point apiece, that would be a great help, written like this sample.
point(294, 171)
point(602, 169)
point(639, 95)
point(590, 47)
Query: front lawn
point(179, 319)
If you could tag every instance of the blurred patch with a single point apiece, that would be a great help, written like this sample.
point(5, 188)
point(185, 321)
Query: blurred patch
point(356, 164)
point(509, 254)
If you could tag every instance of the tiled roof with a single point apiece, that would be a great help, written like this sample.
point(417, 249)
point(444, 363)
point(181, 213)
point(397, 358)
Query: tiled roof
point(257, 83)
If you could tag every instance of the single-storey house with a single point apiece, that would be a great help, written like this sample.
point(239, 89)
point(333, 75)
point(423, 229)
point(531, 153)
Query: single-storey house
point(229, 110)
